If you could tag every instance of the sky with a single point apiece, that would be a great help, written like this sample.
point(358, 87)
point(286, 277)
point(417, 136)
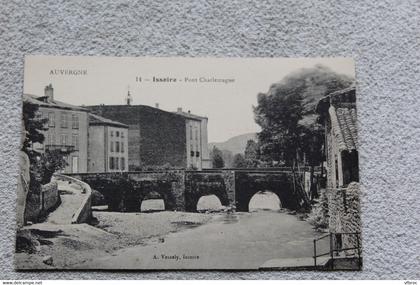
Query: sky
point(227, 104)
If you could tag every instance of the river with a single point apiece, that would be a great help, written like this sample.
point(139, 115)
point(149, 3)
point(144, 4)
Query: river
point(228, 241)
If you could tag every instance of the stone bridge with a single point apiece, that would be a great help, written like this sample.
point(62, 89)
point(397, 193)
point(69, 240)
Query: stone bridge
point(181, 189)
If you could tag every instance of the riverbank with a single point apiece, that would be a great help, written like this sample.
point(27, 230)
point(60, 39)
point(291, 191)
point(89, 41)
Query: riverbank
point(71, 245)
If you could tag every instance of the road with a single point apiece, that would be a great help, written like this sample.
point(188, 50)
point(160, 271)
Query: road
point(71, 199)
point(228, 241)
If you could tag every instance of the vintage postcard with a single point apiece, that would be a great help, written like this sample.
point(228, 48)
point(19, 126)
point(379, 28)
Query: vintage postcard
point(188, 163)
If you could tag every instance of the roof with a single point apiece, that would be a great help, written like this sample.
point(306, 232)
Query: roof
point(190, 116)
point(344, 126)
point(42, 102)
point(343, 97)
point(95, 120)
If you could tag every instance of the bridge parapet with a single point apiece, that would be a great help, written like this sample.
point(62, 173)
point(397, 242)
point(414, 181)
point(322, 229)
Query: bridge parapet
point(181, 189)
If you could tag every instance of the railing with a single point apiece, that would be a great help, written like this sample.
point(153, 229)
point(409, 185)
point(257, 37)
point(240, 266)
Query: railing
point(63, 148)
point(84, 212)
point(335, 247)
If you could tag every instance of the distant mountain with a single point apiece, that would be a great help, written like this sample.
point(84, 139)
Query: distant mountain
point(235, 144)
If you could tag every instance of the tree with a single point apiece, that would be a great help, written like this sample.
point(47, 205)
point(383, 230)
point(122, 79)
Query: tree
point(49, 162)
point(251, 154)
point(217, 158)
point(278, 115)
point(239, 161)
point(34, 127)
point(42, 166)
point(286, 114)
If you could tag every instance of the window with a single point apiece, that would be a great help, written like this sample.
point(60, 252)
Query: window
point(197, 154)
point(192, 153)
point(122, 147)
point(191, 132)
point(117, 134)
point(122, 134)
point(51, 119)
point(112, 147)
point(111, 163)
point(63, 139)
point(116, 163)
point(64, 122)
point(112, 133)
point(122, 160)
point(51, 138)
point(117, 146)
point(196, 134)
point(75, 141)
point(74, 121)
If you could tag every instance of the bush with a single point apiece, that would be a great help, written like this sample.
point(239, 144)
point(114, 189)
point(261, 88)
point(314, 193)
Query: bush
point(319, 214)
point(97, 198)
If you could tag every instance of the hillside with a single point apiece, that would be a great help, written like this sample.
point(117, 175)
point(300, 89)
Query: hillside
point(235, 144)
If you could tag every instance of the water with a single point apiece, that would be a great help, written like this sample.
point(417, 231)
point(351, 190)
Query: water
point(229, 241)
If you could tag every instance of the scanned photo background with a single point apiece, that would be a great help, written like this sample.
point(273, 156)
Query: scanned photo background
point(382, 36)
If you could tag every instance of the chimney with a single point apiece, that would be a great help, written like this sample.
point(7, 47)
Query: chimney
point(189, 111)
point(49, 93)
point(179, 110)
point(157, 105)
point(128, 99)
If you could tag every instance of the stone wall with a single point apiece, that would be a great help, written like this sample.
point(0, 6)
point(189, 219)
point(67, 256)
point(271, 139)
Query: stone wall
point(125, 191)
point(344, 212)
point(33, 207)
point(84, 212)
point(247, 183)
point(50, 198)
point(170, 185)
point(181, 189)
point(40, 204)
point(201, 183)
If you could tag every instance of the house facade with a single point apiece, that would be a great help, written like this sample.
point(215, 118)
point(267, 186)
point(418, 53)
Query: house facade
point(67, 129)
point(338, 113)
point(198, 156)
point(107, 145)
point(157, 138)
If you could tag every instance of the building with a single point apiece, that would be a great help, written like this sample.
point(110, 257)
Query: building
point(67, 129)
point(157, 138)
point(342, 194)
point(338, 113)
point(107, 145)
point(198, 156)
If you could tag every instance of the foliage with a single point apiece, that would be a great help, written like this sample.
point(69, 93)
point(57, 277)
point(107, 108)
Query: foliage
point(97, 198)
point(42, 166)
point(34, 127)
point(252, 154)
point(239, 161)
point(278, 115)
point(318, 217)
point(286, 114)
point(217, 158)
point(48, 163)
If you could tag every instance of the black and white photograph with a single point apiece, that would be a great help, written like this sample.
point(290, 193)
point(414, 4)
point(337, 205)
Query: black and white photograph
point(183, 163)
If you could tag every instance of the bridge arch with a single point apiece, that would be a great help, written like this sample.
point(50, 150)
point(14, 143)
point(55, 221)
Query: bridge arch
point(264, 200)
point(157, 190)
point(279, 183)
point(209, 203)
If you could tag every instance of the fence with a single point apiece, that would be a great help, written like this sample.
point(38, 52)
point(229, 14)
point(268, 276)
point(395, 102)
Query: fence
point(336, 247)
